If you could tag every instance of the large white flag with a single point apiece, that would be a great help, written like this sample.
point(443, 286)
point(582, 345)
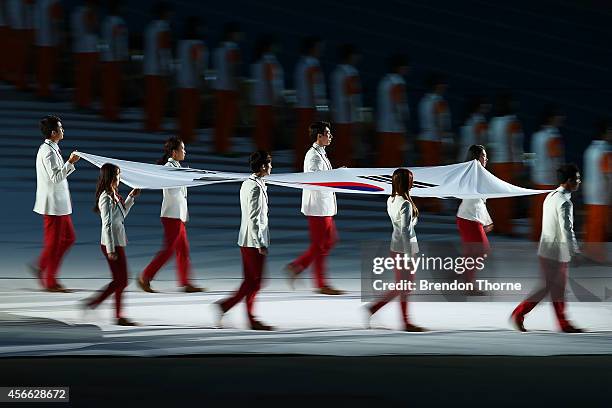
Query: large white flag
point(461, 180)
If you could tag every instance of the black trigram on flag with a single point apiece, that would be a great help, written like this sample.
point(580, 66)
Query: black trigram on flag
point(386, 178)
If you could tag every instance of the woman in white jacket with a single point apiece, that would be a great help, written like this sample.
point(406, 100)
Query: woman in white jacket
point(473, 219)
point(113, 210)
point(404, 215)
point(174, 216)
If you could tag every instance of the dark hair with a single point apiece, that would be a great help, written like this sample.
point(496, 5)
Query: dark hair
point(396, 61)
point(259, 158)
point(346, 51)
point(309, 43)
point(172, 143)
point(108, 173)
point(230, 29)
point(263, 45)
point(317, 128)
point(192, 25)
point(48, 124)
point(435, 78)
point(566, 172)
point(401, 183)
point(474, 152)
point(548, 112)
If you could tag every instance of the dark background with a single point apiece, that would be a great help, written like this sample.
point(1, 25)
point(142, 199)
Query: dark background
point(286, 381)
point(544, 51)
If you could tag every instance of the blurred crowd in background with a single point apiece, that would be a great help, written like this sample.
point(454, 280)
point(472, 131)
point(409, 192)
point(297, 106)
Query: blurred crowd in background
point(89, 52)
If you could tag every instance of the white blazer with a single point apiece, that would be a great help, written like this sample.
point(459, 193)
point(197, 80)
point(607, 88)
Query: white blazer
point(52, 193)
point(174, 204)
point(254, 231)
point(403, 239)
point(318, 203)
point(474, 209)
point(112, 214)
point(558, 241)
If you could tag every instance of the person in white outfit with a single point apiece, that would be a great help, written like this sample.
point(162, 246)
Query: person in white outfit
point(174, 216)
point(392, 113)
point(115, 56)
point(473, 219)
point(157, 65)
point(320, 208)
point(598, 193)
point(226, 62)
point(346, 104)
point(435, 138)
point(253, 238)
point(192, 57)
point(113, 210)
point(557, 247)
point(48, 16)
point(310, 93)
point(404, 216)
point(505, 144)
point(53, 203)
point(474, 129)
point(549, 148)
point(84, 30)
point(267, 91)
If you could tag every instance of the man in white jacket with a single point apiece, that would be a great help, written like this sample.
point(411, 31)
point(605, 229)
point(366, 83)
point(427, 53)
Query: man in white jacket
point(320, 208)
point(557, 247)
point(253, 238)
point(53, 203)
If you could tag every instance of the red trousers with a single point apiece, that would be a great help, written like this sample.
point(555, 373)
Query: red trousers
point(47, 64)
point(85, 74)
point(502, 208)
point(264, 127)
point(554, 274)
point(323, 237)
point(59, 237)
point(474, 240)
point(119, 271)
point(155, 102)
point(227, 113)
point(400, 275)
point(252, 267)
point(391, 149)
point(597, 227)
point(342, 148)
point(175, 242)
point(305, 117)
point(189, 107)
point(537, 202)
point(111, 89)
